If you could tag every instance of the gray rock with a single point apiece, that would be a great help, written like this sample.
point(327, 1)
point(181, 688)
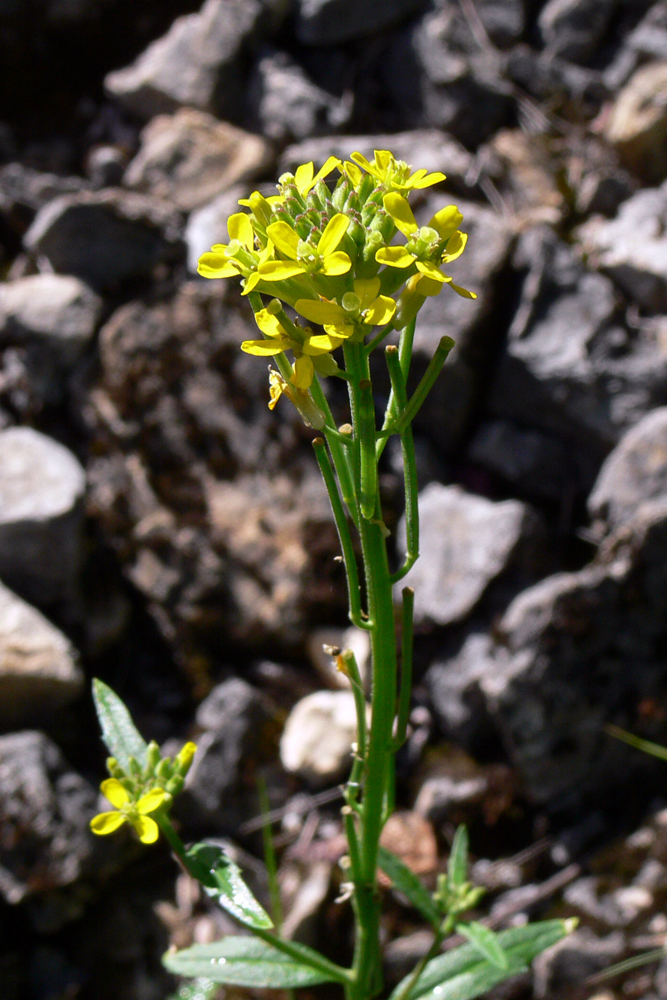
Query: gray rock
point(105, 166)
point(429, 149)
point(561, 663)
point(569, 366)
point(189, 157)
point(45, 808)
point(439, 796)
point(504, 20)
point(105, 238)
point(548, 78)
point(39, 673)
point(208, 225)
point(572, 29)
point(57, 312)
point(330, 22)
point(580, 955)
point(41, 493)
point(634, 472)
point(232, 704)
point(317, 739)
point(196, 64)
point(466, 542)
point(538, 465)
point(649, 38)
point(632, 248)
point(288, 106)
point(454, 691)
point(637, 123)
point(23, 191)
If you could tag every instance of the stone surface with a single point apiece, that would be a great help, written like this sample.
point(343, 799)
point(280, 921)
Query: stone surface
point(536, 464)
point(634, 472)
point(319, 647)
point(454, 694)
point(208, 225)
point(632, 248)
point(570, 366)
point(39, 673)
point(572, 29)
point(527, 178)
point(560, 670)
point(23, 191)
point(196, 64)
point(330, 22)
point(637, 125)
point(57, 312)
point(105, 238)
point(41, 496)
point(318, 737)
point(288, 106)
point(188, 158)
point(466, 542)
point(580, 955)
point(45, 808)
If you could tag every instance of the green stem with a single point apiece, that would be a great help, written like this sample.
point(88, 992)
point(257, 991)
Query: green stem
point(270, 856)
point(397, 377)
point(441, 934)
point(406, 667)
point(340, 452)
point(336, 972)
point(425, 385)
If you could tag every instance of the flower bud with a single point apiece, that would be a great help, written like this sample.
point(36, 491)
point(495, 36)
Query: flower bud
point(341, 194)
point(134, 766)
point(174, 785)
point(165, 769)
point(153, 758)
point(114, 768)
point(184, 758)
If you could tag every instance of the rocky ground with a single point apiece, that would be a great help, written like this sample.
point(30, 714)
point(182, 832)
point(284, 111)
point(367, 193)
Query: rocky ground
point(161, 529)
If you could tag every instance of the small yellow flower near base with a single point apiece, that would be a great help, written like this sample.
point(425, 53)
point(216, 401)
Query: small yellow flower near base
point(134, 813)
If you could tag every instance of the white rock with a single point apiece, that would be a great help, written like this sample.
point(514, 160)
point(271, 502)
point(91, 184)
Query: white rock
point(343, 638)
point(208, 225)
point(41, 492)
point(318, 736)
point(38, 664)
point(57, 310)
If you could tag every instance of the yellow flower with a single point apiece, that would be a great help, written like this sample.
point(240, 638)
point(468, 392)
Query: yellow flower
point(304, 179)
point(363, 306)
point(238, 258)
point(304, 258)
point(301, 399)
point(394, 174)
point(306, 347)
point(134, 813)
point(438, 243)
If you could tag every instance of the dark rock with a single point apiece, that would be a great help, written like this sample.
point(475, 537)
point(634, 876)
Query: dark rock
point(572, 29)
point(45, 808)
point(573, 960)
point(288, 106)
point(39, 672)
point(634, 472)
point(189, 157)
point(196, 64)
point(208, 225)
point(24, 191)
point(649, 38)
point(576, 89)
point(105, 238)
point(454, 692)
point(56, 312)
point(561, 663)
point(537, 464)
point(632, 248)
point(234, 703)
point(330, 22)
point(105, 166)
point(523, 170)
point(637, 123)
point(466, 543)
point(570, 367)
point(503, 20)
point(41, 505)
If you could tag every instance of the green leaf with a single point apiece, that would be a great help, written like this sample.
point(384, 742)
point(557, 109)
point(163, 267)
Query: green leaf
point(485, 941)
point(223, 882)
point(243, 961)
point(410, 885)
point(201, 988)
point(120, 735)
point(463, 974)
point(457, 865)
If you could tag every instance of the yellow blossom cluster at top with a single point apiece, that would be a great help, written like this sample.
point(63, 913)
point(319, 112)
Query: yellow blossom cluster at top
point(329, 254)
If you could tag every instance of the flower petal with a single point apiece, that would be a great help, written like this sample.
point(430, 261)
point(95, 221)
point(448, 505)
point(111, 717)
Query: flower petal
point(427, 286)
point(277, 270)
point(431, 271)
point(147, 829)
point(106, 823)
point(383, 159)
point(352, 171)
point(331, 163)
point(214, 265)
point(394, 257)
point(113, 791)
point(250, 282)
point(321, 343)
point(380, 312)
point(304, 177)
point(240, 228)
point(284, 237)
point(320, 312)
point(333, 233)
point(361, 161)
point(268, 324)
point(151, 801)
point(303, 372)
point(398, 208)
point(456, 244)
point(446, 221)
point(463, 292)
point(427, 181)
point(266, 348)
point(366, 289)
point(336, 263)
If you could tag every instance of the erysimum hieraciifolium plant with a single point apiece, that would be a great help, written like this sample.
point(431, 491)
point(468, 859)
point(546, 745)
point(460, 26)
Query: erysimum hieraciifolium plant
point(331, 265)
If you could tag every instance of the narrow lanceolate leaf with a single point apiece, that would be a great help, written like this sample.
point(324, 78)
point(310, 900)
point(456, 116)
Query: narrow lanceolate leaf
point(120, 735)
point(201, 988)
point(243, 961)
point(457, 865)
point(223, 882)
point(485, 941)
point(463, 974)
point(410, 885)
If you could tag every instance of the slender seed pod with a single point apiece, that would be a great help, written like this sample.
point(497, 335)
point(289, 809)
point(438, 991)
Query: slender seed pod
point(369, 476)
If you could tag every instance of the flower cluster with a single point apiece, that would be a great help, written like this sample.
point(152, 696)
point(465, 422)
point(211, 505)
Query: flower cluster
point(139, 791)
point(328, 253)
